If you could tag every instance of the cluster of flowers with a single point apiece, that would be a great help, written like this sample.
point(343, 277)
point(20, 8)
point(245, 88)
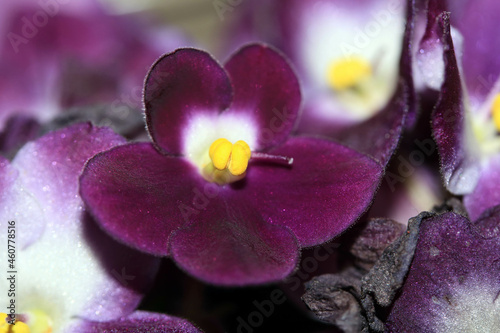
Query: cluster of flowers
point(286, 146)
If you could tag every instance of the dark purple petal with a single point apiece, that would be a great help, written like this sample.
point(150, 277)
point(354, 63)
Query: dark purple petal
point(323, 193)
point(18, 130)
point(266, 87)
point(179, 85)
point(455, 141)
point(138, 322)
point(140, 196)
point(453, 283)
point(379, 136)
point(406, 64)
point(487, 192)
point(428, 53)
point(229, 243)
point(478, 24)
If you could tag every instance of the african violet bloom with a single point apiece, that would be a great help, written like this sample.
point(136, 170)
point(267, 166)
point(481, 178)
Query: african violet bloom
point(354, 60)
point(224, 190)
point(453, 284)
point(69, 274)
point(466, 119)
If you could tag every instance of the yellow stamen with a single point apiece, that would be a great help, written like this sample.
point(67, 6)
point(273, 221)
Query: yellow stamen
point(229, 161)
point(17, 327)
point(220, 153)
point(348, 73)
point(240, 155)
point(40, 322)
point(496, 112)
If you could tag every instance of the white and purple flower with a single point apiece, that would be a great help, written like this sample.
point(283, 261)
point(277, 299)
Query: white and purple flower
point(69, 274)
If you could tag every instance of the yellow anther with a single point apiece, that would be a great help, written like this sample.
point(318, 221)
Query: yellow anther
point(229, 161)
point(20, 327)
point(496, 112)
point(240, 155)
point(347, 73)
point(220, 152)
point(17, 327)
point(40, 322)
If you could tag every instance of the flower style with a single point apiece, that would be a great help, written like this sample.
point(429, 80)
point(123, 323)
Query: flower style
point(224, 190)
point(355, 63)
point(465, 120)
point(70, 275)
point(453, 284)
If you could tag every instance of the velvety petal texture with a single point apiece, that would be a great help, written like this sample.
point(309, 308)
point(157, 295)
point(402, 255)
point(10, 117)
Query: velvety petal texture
point(458, 148)
point(379, 136)
point(67, 266)
point(141, 196)
point(325, 190)
point(138, 322)
point(271, 94)
point(453, 284)
point(180, 84)
point(229, 243)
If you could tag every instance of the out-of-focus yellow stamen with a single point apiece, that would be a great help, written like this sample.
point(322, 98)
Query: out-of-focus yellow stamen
point(496, 112)
point(348, 73)
point(17, 327)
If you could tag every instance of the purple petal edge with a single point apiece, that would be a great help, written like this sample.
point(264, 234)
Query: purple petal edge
point(138, 322)
point(180, 84)
point(449, 123)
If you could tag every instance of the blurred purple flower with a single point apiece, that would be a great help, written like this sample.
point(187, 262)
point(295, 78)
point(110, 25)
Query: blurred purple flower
point(69, 272)
point(58, 55)
point(222, 226)
point(354, 60)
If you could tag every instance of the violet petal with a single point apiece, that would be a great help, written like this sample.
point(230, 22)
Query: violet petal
point(379, 136)
point(266, 87)
point(455, 141)
point(229, 243)
point(453, 281)
point(138, 322)
point(137, 194)
point(321, 194)
point(180, 84)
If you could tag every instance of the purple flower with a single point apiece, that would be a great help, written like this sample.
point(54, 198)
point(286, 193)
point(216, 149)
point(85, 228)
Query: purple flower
point(466, 120)
point(60, 55)
point(354, 60)
point(68, 273)
point(233, 211)
point(453, 283)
